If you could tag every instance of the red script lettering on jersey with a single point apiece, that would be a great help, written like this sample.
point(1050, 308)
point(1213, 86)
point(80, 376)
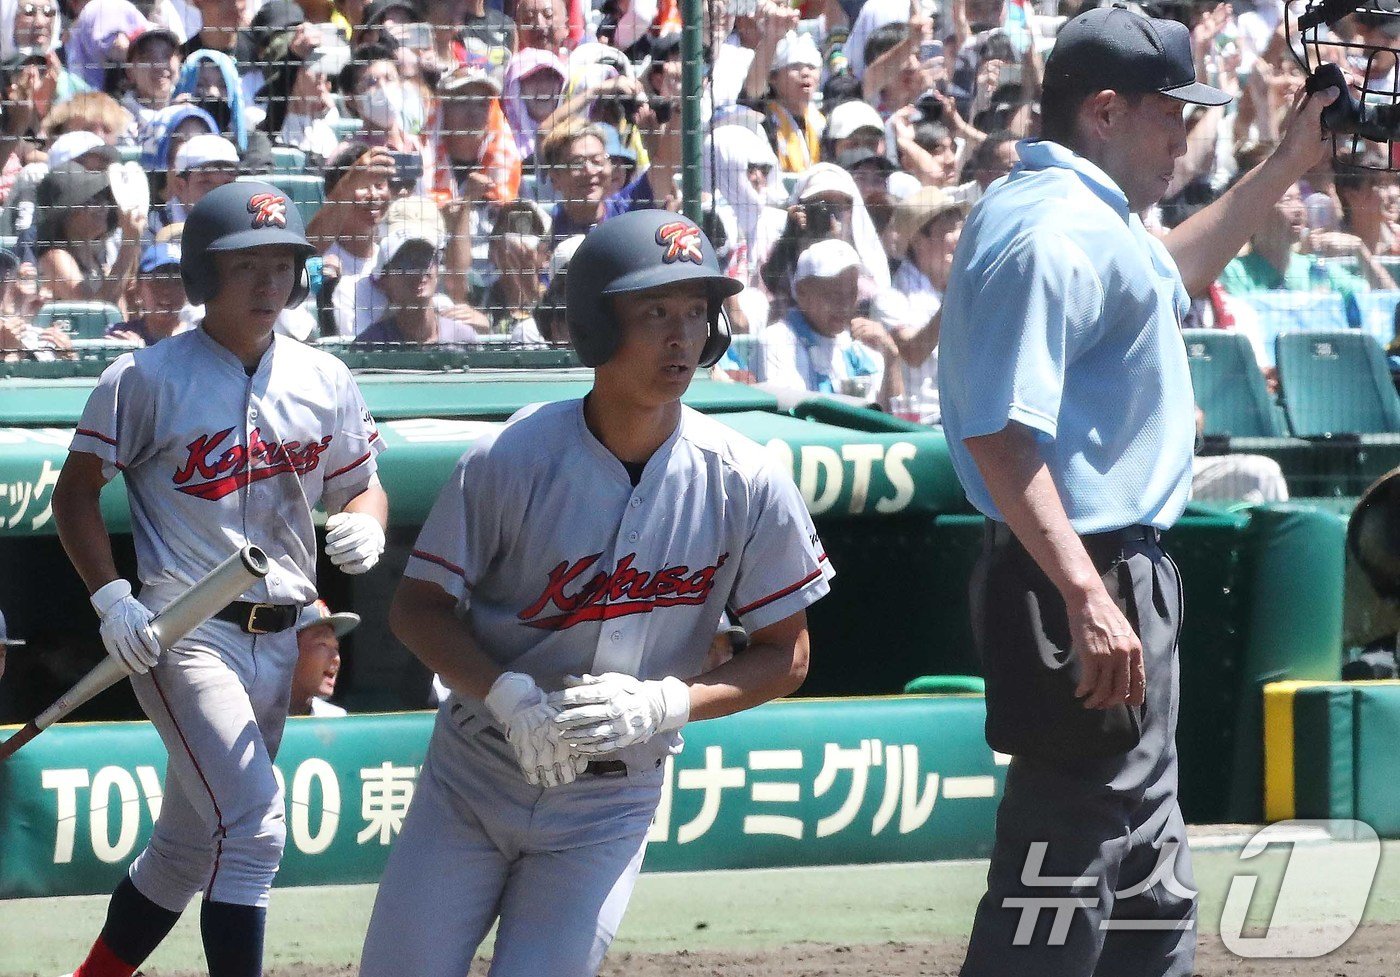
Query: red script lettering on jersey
point(623, 592)
point(223, 472)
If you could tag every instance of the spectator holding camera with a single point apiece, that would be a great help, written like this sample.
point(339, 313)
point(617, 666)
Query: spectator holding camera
point(518, 256)
point(301, 108)
point(825, 203)
point(744, 169)
point(357, 195)
point(821, 344)
point(474, 154)
point(32, 83)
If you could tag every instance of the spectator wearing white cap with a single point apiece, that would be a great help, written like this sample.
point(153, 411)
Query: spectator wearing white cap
point(852, 126)
point(318, 660)
point(203, 162)
point(821, 345)
point(925, 229)
point(410, 259)
point(87, 149)
point(794, 126)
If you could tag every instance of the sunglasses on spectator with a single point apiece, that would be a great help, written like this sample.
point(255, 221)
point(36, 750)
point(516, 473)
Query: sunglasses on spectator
point(31, 9)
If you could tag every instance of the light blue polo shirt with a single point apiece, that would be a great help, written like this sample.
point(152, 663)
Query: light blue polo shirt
point(1063, 314)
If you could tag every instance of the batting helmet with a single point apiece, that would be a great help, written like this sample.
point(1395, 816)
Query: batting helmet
point(631, 253)
point(238, 215)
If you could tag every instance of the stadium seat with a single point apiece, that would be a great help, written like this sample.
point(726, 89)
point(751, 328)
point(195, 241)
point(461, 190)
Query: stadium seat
point(346, 128)
point(307, 192)
point(1336, 383)
point(288, 159)
point(1229, 387)
point(85, 320)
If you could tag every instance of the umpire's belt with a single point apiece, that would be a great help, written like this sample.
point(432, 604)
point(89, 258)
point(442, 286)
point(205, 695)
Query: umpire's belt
point(999, 533)
point(260, 618)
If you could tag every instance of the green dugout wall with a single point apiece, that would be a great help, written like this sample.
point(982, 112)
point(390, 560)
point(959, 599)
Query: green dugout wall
point(1263, 587)
point(790, 783)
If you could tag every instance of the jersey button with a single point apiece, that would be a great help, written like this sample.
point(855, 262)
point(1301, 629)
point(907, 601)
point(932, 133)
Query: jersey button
point(636, 502)
point(633, 536)
point(616, 636)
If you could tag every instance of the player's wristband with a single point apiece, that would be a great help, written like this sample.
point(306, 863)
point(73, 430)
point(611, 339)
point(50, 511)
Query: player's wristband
point(109, 595)
point(675, 697)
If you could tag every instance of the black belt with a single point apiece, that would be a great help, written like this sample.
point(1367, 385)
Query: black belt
point(260, 618)
point(1000, 532)
point(606, 768)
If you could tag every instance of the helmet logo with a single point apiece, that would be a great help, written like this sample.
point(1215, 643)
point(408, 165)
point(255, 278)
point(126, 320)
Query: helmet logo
point(681, 239)
point(268, 210)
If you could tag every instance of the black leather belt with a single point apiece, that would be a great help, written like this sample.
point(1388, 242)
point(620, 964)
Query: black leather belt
point(1000, 532)
point(260, 618)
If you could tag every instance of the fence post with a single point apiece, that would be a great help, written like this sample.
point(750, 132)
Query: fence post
point(692, 84)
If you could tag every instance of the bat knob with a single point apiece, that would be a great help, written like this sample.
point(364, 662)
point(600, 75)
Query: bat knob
point(255, 560)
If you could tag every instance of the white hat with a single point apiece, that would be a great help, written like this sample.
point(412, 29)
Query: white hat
point(795, 48)
point(79, 142)
point(825, 259)
point(826, 179)
point(203, 150)
point(399, 236)
point(901, 185)
point(563, 252)
point(318, 613)
point(850, 116)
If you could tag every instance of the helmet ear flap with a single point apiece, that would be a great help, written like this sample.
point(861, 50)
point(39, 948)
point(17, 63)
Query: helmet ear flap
point(201, 280)
point(301, 286)
point(718, 340)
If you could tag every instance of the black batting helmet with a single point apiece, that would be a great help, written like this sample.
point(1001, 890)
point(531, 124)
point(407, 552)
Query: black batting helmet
point(238, 215)
point(631, 253)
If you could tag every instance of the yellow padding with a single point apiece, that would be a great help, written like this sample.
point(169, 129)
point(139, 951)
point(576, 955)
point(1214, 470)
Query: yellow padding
point(1279, 802)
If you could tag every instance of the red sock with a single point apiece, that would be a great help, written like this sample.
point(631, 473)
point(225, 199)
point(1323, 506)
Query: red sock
point(102, 962)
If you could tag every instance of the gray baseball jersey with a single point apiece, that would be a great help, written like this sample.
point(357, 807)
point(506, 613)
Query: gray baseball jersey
point(212, 458)
point(560, 565)
point(590, 574)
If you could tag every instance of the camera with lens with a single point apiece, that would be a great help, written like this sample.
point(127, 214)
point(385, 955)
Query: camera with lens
point(928, 106)
point(819, 219)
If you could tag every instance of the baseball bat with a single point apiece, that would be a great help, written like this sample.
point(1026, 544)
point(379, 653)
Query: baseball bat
point(220, 586)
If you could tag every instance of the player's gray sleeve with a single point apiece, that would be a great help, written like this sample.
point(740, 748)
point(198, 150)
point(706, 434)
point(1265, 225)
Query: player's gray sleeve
point(784, 567)
point(462, 533)
point(350, 460)
point(118, 421)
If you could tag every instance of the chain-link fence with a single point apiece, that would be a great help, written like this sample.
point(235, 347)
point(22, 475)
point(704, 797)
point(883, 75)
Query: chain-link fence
point(447, 157)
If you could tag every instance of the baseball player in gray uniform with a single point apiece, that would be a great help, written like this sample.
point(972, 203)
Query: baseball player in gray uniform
point(225, 435)
point(567, 586)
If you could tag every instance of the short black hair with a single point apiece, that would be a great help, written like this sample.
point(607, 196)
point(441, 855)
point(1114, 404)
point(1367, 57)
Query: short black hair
point(929, 133)
point(1059, 112)
point(882, 40)
point(339, 164)
point(360, 59)
point(985, 154)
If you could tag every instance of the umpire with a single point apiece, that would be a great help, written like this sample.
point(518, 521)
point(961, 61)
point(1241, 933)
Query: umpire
point(1069, 414)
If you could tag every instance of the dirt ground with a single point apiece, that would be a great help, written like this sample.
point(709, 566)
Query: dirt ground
point(1373, 952)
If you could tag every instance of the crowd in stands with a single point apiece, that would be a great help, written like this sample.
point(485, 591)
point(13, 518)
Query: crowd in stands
point(453, 152)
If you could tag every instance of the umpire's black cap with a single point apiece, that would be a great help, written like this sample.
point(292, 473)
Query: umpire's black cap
point(1114, 48)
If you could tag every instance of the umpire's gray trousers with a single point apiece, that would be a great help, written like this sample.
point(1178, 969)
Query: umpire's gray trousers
point(1090, 874)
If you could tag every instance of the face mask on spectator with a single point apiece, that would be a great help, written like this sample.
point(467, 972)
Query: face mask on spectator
point(390, 104)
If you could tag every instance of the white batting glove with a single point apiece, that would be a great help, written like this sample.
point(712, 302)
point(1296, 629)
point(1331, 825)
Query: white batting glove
point(528, 721)
point(354, 541)
point(126, 627)
point(603, 713)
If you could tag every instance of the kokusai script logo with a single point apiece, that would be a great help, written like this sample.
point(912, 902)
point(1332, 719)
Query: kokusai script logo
point(681, 239)
point(212, 471)
point(268, 210)
point(625, 591)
